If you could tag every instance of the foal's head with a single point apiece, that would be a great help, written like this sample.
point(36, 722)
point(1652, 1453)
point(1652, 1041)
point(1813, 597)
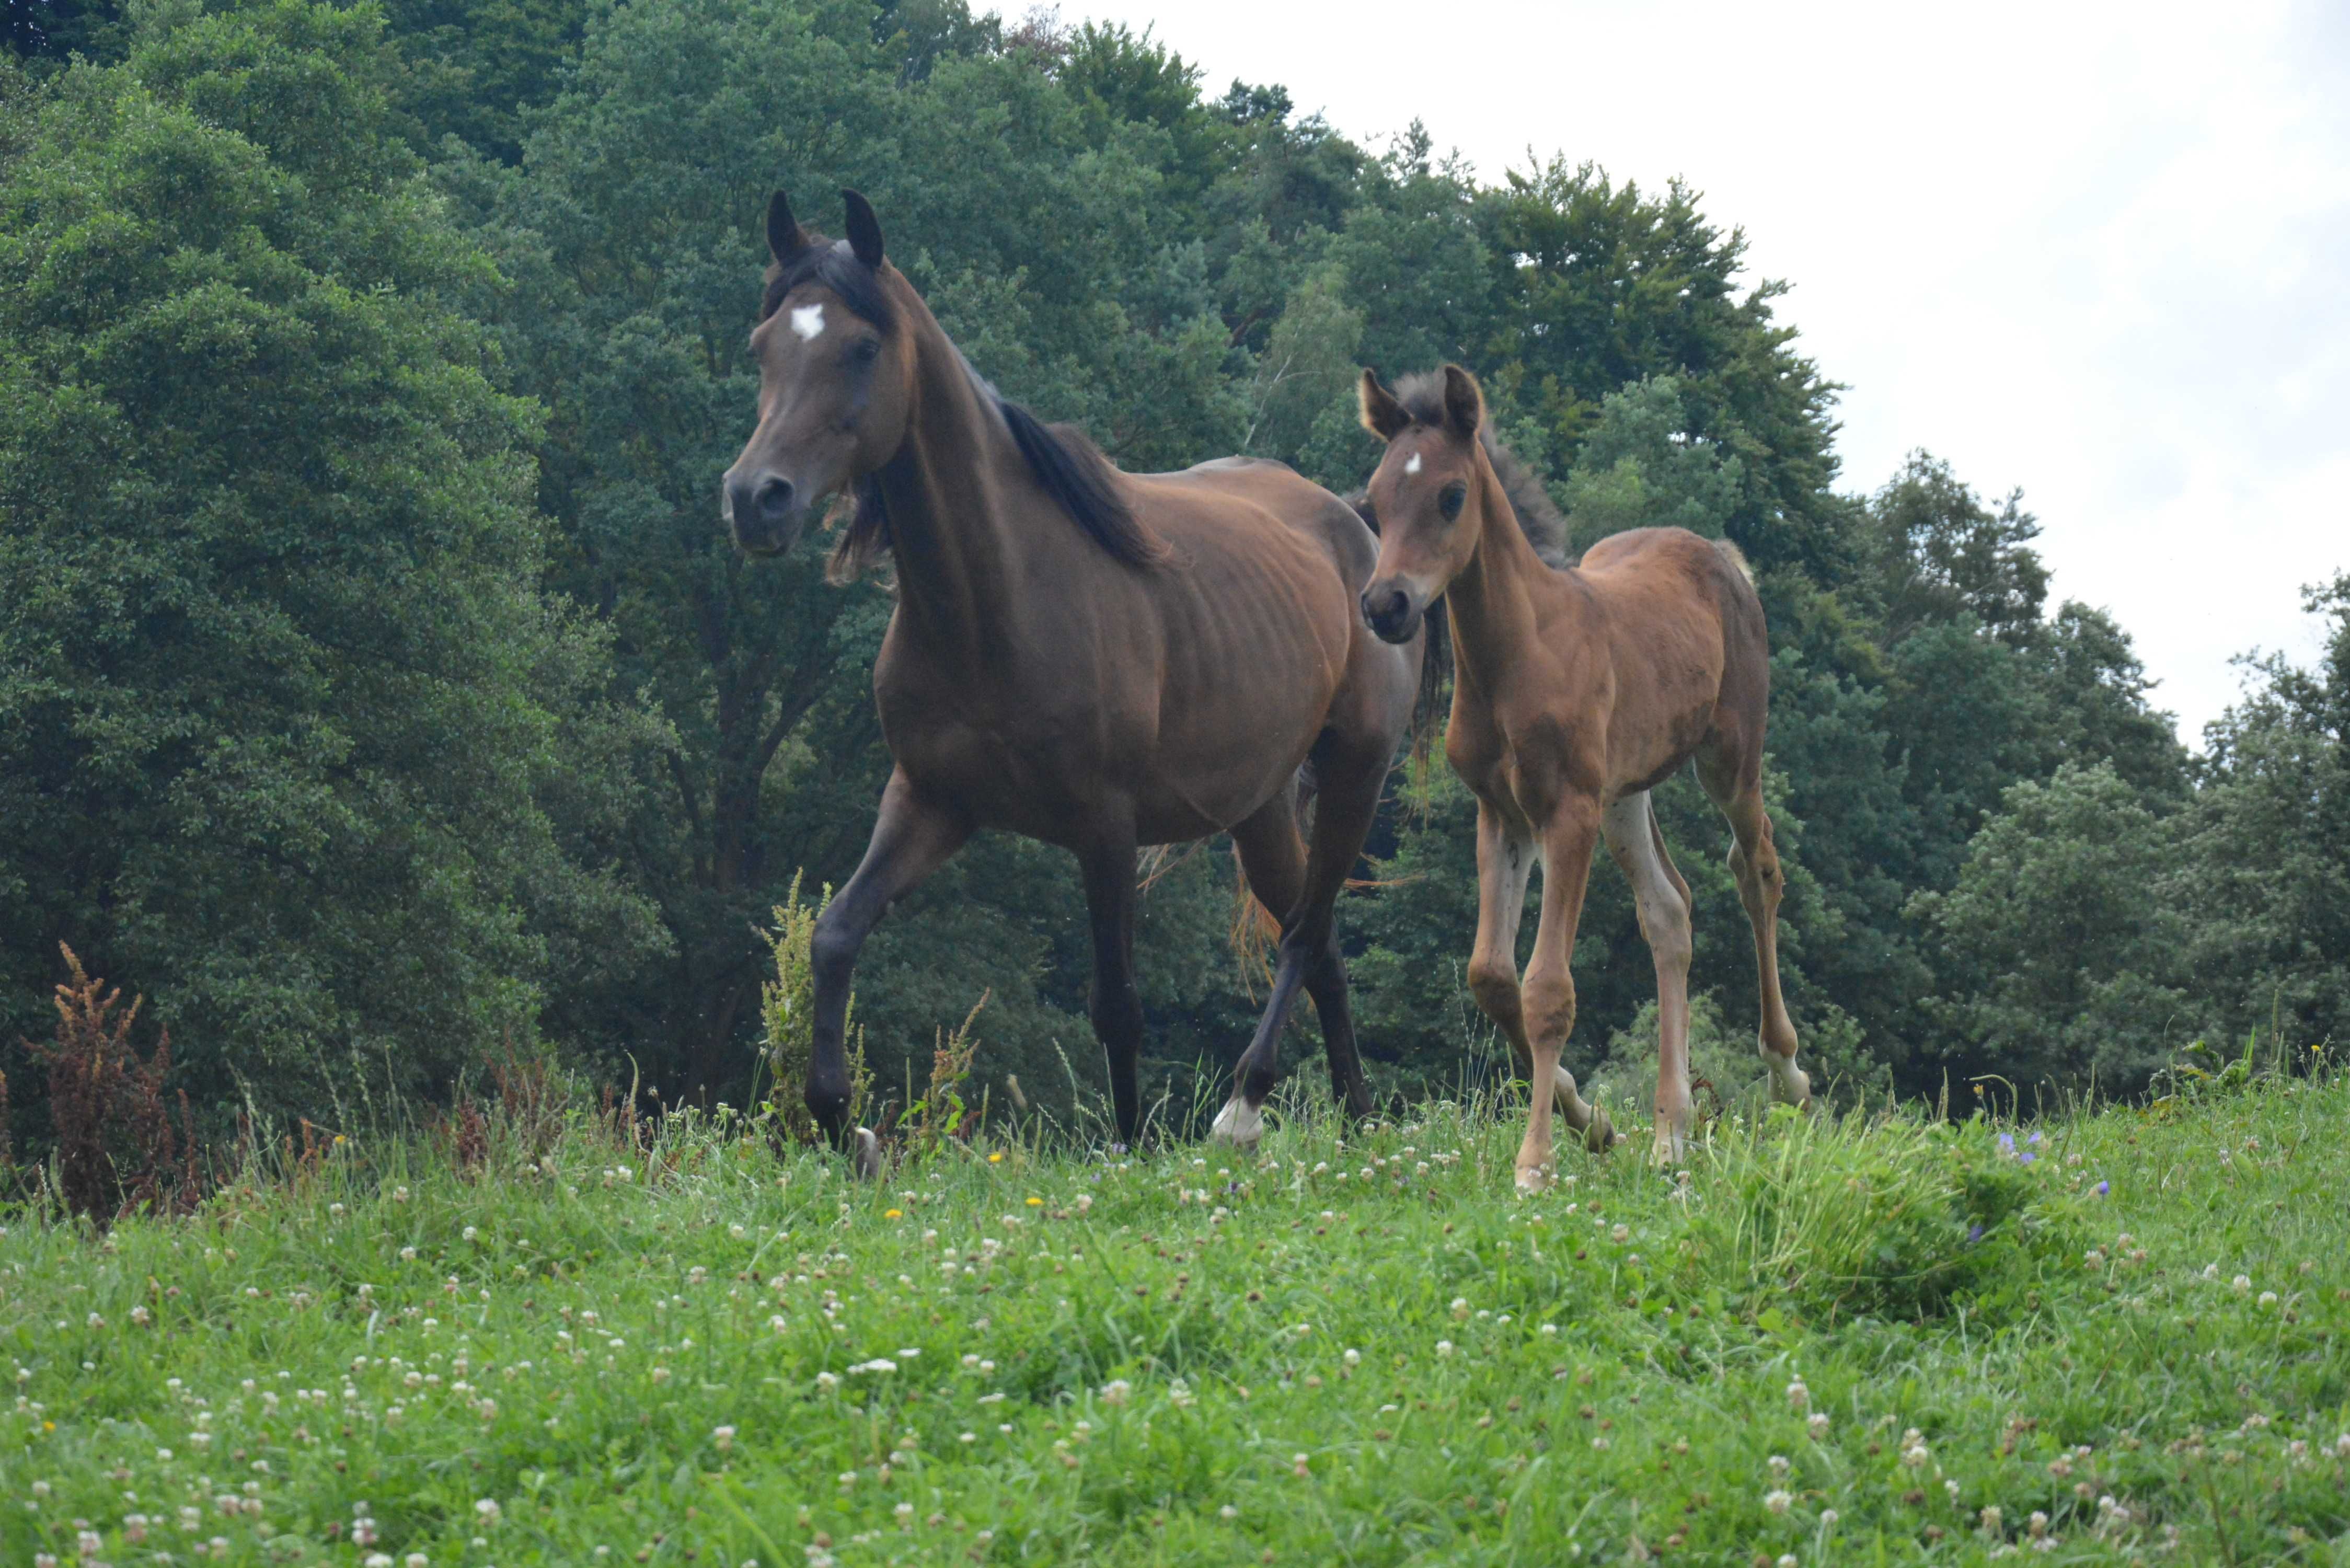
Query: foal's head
point(1429, 493)
point(835, 377)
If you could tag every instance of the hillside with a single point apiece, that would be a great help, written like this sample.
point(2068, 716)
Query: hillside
point(528, 1342)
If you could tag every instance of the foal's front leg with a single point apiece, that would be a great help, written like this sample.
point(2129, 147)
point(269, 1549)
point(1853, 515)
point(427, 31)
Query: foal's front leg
point(1505, 862)
point(1115, 1004)
point(1547, 997)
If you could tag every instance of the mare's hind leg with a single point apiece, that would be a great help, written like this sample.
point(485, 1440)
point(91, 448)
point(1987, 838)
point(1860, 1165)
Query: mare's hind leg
point(911, 838)
point(1754, 862)
point(1272, 858)
point(1662, 900)
point(1116, 1002)
point(1505, 861)
point(1308, 955)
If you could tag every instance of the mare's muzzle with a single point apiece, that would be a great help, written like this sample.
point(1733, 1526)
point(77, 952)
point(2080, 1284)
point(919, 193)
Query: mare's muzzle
point(765, 512)
point(1392, 610)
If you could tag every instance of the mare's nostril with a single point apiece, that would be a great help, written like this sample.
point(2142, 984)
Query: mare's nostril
point(774, 499)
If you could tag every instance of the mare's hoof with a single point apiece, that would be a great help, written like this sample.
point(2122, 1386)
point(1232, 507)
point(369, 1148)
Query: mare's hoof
point(866, 1153)
point(1239, 1124)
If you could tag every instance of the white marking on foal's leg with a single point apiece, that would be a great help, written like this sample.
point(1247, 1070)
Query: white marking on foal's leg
point(1239, 1124)
point(1411, 464)
point(807, 320)
point(868, 1154)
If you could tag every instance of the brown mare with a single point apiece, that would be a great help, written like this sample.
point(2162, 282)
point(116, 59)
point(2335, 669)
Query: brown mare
point(1575, 691)
point(1097, 660)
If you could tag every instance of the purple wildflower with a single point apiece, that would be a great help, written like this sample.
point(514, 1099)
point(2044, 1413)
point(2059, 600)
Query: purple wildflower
point(1974, 1234)
point(2102, 1187)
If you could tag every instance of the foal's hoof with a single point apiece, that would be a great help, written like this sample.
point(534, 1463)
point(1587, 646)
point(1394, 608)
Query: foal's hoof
point(1599, 1132)
point(1239, 1124)
point(1790, 1084)
point(865, 1153)
point(1533, 1179)
point(1671, 1147)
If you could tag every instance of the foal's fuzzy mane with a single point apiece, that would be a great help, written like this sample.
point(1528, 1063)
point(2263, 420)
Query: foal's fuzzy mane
point(1072, 470)
point(1422, 397)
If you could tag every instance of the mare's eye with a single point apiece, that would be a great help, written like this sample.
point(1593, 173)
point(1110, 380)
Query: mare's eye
point(1449, 500)
point(866, 351)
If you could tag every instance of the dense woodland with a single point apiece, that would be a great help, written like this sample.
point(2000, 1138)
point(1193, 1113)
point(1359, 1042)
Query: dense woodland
point(379, 696)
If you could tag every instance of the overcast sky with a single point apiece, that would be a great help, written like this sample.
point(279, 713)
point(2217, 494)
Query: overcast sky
point(2097, 251)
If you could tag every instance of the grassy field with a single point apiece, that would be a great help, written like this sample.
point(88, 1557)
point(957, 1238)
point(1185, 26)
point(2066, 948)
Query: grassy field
point(2118, 1339)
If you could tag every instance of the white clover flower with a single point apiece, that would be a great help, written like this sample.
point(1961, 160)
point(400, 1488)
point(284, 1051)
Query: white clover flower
point(487, 1509)
point(1460, 1309)
point(1778, 1500)
point(2243, 1284)
point(1443, 1347)
point(1116, 1391)
point(1817, 1424)
point(1798, 1395)
point(723, 1437)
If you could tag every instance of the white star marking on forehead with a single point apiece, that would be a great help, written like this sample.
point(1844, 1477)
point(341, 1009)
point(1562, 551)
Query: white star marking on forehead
point(807, 320)
point(1411, 464)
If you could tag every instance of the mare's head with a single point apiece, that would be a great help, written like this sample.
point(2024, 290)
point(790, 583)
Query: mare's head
point(1430, 492)
point(835, 377)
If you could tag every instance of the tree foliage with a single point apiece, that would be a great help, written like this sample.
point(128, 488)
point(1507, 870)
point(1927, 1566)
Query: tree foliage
point(376, 685)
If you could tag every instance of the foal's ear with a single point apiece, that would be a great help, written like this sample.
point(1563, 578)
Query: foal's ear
point(1464, 402)
point(1382, 415)
point(864, 229)
point(784, 241)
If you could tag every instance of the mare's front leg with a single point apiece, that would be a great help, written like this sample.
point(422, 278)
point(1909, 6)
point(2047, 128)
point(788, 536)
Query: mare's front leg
point(1115, 1004)
point(911, 838)
point(1547, 997)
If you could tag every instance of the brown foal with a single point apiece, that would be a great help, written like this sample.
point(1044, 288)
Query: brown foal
point(1093, 658)
point(1575, 691)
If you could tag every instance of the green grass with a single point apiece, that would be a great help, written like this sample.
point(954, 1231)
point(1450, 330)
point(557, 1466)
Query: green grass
point(579, 1354)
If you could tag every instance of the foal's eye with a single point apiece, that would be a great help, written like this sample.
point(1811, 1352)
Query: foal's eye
point(1449, 500)
point(865, 351)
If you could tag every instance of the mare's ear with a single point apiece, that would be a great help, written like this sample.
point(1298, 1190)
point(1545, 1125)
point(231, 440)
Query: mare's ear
point(864, 229)
point(1382, 415)
point(784, 241)
point(1464, 402)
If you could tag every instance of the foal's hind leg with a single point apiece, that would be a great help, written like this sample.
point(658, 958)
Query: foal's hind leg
point(1662, 900)
point(1754, 862)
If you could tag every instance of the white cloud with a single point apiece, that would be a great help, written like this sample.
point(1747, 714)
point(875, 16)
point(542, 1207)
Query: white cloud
point(2099, 252)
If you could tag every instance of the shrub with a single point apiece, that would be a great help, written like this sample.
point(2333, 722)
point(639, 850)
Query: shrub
point(118, 1148)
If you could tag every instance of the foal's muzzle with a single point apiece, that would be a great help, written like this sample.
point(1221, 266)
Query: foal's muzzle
point(1392, 611)
point(765, 512)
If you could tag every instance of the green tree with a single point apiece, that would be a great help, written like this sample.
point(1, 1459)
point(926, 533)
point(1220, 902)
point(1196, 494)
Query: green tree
point(2267, 846)
point(289, 739)
point(2060, 938)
